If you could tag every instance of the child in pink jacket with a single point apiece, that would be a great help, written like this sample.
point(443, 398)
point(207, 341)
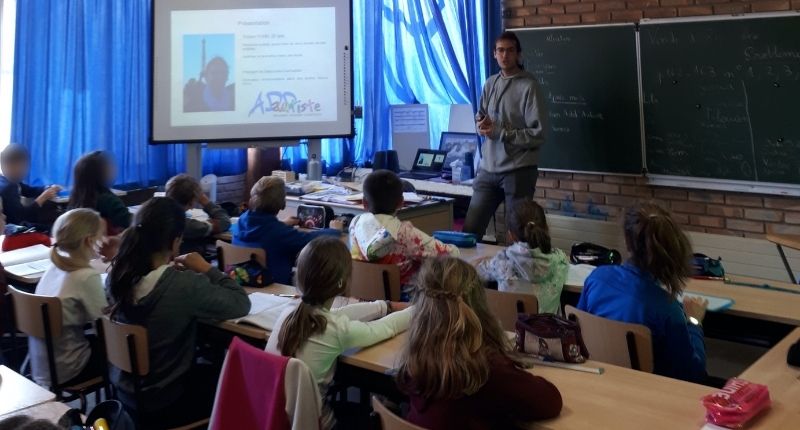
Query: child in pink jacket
point(380, 237)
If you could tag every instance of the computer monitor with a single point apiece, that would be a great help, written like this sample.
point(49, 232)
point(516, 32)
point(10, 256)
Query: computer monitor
point(429, 160)
point(457, 146)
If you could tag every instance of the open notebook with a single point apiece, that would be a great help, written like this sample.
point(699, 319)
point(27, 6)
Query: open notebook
point(26, 261)
point(266, 308)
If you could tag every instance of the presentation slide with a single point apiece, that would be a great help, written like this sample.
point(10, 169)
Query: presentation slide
point(228, 70)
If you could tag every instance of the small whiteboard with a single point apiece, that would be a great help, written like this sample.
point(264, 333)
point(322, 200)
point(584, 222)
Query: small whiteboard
point(410, 131)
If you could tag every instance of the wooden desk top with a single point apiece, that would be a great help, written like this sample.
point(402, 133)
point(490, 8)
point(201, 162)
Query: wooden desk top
point(50, 411)
point(619, 398)
point(758, 303)
point(18, 392)
point(783, 382)
point(787, 240)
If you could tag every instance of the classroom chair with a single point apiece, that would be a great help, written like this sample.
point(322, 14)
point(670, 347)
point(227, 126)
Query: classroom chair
point(126, 349)
point(285, 395)
point(507, 306)
point(373, 281)
point(41, 317)
point(228, 255)
point(618, 343)
point(390, 421)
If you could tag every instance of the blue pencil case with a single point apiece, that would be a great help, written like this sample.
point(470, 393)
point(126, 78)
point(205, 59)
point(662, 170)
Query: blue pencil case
point(457, 238)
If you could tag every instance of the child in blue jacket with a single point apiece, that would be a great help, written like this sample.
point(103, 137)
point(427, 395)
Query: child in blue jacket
point(645, 291)
point(260, 227)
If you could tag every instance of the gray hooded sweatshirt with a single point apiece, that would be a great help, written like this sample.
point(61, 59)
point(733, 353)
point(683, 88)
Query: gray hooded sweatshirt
point(516, 105)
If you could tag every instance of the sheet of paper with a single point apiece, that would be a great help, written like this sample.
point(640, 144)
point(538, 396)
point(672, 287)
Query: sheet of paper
point(578, 273)
point(24, 255)
point(413, 198)
point(715, 304)
point(30, 268)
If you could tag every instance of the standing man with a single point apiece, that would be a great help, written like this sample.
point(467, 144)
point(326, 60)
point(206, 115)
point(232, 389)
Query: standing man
point(511, 119)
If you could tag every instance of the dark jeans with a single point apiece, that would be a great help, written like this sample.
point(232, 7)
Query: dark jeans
point(491, 189)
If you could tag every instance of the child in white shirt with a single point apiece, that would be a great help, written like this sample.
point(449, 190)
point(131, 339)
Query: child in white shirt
point(311, 332)
point(80, 289)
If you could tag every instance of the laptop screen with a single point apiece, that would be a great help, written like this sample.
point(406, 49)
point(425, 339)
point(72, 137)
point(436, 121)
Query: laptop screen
point(457, 146)
point(429, 160)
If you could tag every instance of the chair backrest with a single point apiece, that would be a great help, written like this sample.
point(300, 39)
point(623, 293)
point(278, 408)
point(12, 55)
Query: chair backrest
point(372, 281)
point(228, 254)
point(126, 346)
point(390, 421)
point(618, 343)
point(30, 311)
point(243, 364)
point(506, 306)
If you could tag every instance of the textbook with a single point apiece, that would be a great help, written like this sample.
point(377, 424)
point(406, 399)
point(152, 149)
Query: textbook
point(26, 261)
point(266, 308)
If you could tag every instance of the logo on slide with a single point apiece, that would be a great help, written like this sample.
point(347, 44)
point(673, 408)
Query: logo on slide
point(285, 102)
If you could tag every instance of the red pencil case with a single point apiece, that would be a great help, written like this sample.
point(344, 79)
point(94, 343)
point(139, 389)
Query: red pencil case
point(736, 404)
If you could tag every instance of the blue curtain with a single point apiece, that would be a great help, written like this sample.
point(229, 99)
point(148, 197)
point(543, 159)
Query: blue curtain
point(82, 83)
point(412, 51)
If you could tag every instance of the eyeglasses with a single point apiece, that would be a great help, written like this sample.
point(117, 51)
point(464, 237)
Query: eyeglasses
point(501, 51)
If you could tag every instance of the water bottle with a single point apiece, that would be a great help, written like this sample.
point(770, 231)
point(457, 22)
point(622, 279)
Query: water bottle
point(314, 169)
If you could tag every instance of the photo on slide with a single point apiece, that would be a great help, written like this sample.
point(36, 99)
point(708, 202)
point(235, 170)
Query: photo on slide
point(208, 72)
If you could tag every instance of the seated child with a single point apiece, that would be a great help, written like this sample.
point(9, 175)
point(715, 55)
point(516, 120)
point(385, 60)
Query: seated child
point(310, 331)
point(457, 367)
point(186, 190)
point(645, 291)
point(15, 161)
point(150, 285)
point(93, 175)
point(530, 264)
point(78, 356)
point(380, 237)
point(260, 227)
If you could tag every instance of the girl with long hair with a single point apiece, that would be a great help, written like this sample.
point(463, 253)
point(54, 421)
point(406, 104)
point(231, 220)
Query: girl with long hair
point(78, 355)
point(645, 290)
point(150, 285)
point(456, 367)
point(93, 175)
point(310, 331)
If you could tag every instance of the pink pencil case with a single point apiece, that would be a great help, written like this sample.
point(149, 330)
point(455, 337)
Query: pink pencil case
point(736, 404)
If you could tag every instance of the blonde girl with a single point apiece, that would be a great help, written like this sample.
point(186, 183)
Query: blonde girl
point(72, 279)
point(455, 367)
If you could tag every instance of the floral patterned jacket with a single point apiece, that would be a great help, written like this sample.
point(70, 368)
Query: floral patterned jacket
point(385, 239)
point(521, 269)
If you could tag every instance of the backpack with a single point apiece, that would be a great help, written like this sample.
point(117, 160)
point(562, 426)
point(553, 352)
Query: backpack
point(705, 266)
point(551, 337)
point(595, 255)
point(250, 273)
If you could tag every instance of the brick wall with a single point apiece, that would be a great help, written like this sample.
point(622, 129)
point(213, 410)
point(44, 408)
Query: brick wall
point(231, 188)
point(538, 13)
point(604, 197)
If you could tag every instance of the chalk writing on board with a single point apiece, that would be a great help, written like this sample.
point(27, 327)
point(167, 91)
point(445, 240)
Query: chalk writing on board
point(409, 119)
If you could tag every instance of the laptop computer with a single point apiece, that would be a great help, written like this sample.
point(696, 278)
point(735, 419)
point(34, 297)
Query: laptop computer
point(459, 146)
point(428, 164)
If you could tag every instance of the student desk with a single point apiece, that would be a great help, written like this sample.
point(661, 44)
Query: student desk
point(783, 382)
point(789, 241)
point(428, 216)
point(619, 398)
point(18, 392)
point(50, 411)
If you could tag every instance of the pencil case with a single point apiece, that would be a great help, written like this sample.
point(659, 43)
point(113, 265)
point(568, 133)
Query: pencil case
point(457, 238)
point(736, 404)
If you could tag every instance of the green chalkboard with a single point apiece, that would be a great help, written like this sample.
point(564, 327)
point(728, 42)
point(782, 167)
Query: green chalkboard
point(589, 77)
point(722, 98)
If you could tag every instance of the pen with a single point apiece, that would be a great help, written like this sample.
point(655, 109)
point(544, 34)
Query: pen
point(569, 366)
